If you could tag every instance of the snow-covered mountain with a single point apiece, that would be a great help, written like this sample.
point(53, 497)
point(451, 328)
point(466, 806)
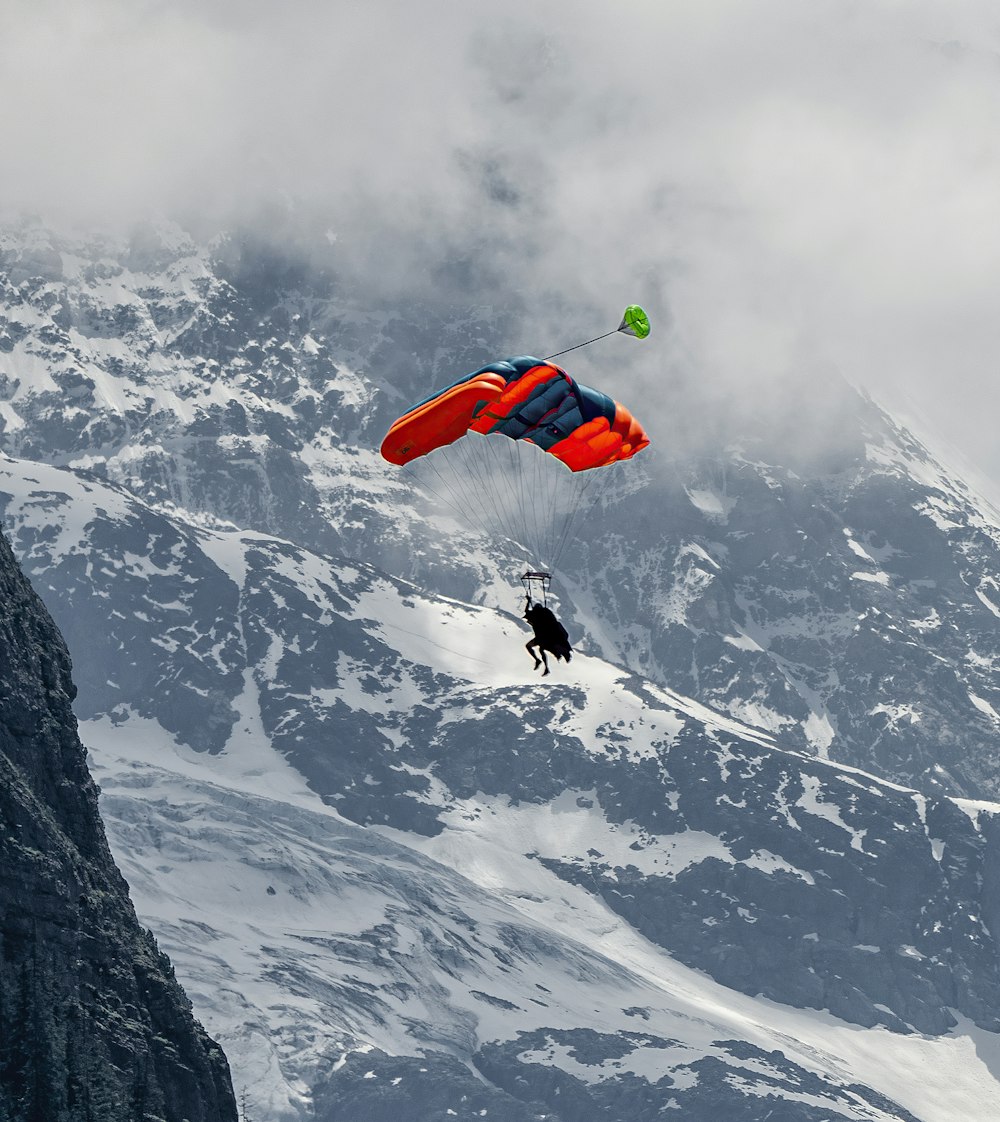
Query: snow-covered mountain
point(543, 864)
point(399, 875)
point(838, 586)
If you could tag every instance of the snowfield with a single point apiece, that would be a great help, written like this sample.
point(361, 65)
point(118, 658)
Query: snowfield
point(255, 889)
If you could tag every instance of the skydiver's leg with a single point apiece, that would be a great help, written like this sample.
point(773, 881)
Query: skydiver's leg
point(545, 661)
point(529, 647)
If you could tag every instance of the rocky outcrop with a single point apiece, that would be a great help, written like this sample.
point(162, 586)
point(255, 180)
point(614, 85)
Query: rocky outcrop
point(848, 607)
point(93, 1023)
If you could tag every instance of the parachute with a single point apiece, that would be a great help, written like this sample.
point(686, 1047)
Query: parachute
point(635, 322)
point(524, 399)
point(523, 497)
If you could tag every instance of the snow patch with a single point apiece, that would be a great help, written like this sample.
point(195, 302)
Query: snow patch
point(811, 801)
point(714, 504)
point(879, 577)
point(984, 706)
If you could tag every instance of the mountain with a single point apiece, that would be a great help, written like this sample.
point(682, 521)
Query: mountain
point(365, 832)
point(844, 598)
point(725, 862)
point(92, 1020)
point(808, 568)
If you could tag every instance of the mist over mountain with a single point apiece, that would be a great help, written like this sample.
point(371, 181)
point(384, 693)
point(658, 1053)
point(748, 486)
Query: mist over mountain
point(718, 863)
point(815, 586)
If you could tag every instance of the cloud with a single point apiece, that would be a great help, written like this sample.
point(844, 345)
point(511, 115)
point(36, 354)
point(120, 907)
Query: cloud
point(791, 187)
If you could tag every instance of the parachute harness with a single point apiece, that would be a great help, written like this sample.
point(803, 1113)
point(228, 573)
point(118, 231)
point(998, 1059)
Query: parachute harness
point(540, 581)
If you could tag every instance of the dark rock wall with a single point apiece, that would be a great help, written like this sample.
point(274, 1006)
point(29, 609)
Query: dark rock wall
point(93, 1023)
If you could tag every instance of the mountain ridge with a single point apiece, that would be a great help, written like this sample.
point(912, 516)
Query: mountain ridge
point(800, 543)
point(292, 744)
point(692, 830)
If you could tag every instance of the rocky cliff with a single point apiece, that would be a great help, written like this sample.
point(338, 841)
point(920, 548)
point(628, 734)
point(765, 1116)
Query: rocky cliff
point(93, 1023)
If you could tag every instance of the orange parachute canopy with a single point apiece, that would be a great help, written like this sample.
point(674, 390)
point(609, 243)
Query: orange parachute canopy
point(524, 399)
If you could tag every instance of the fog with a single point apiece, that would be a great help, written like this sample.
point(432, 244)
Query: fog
point(792, 189)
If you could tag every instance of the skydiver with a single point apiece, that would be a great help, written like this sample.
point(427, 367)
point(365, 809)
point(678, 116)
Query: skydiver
point(550, 635)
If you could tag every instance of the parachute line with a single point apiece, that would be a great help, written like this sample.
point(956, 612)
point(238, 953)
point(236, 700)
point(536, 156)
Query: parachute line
point(490, 484)
point(571, 516)
point(451, 498)
point(596, 339)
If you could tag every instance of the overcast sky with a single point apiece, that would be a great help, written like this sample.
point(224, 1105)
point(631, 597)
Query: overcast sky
point(791, 185)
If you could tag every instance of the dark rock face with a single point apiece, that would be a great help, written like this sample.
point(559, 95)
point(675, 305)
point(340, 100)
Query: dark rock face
point(435, 1087)
point(524, 1080)
point(92, 1021)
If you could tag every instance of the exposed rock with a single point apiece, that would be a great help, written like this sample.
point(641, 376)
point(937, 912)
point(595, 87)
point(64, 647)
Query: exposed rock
point(92, 1020)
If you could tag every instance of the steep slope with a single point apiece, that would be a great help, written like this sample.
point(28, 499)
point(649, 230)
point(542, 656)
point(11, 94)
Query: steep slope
point(92, 1020)
point(346, 967)
point(804, 565)
point(374, 843)
point(844, 598)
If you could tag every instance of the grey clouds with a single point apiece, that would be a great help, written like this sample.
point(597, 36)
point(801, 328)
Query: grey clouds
point(792, 188)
